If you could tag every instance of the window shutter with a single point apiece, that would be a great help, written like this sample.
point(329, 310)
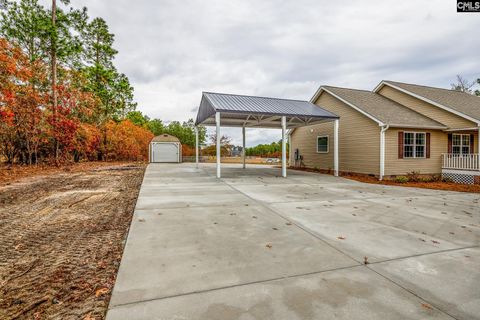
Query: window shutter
point(472, 144)
point(450, 149)
point(400, 145)
point(427, 145)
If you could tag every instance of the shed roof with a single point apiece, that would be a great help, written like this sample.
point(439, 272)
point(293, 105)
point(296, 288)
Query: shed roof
point(383, 109)
point(241, 110)
point(165, 138)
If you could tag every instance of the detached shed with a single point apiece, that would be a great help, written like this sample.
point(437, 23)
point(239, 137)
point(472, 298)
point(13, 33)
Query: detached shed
point(165, 148)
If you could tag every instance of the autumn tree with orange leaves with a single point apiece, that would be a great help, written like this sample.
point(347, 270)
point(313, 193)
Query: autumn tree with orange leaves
point(61, 97)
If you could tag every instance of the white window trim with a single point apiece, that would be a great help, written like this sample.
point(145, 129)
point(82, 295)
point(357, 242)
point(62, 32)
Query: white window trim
point(328, 143)
point(461, 143)
point(415, 145)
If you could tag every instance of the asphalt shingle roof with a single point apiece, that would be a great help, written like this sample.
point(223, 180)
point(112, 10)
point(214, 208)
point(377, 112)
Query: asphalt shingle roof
point(385, 110)
point(460, 101)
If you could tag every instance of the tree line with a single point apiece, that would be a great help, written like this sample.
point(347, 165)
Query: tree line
point(61, 96)
point(184, 131)
point(272, 150)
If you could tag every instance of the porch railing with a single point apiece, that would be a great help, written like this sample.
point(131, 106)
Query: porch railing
point(470, 161)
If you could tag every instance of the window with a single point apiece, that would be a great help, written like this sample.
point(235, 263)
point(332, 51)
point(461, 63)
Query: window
point(414, 144)
point(322, 144)
point(460, 143)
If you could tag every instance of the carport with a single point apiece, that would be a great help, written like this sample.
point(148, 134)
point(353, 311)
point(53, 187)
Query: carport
point(229, 110)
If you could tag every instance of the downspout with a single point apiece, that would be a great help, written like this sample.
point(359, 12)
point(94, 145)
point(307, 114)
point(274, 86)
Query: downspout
point(382, 151)
point(289, 131)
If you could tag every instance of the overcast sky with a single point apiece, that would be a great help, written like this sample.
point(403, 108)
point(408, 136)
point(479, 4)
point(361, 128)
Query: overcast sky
point(174, 50)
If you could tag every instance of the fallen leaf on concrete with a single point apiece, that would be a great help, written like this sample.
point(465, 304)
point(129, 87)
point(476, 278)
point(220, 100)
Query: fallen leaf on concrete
point(288, 223)
point(141, 220)
point(421, 239)
point(341, 238)
point(101, 292)
point(254, 217)
point(435, 241)
point(274, 228)
point(269, 246)
point(427, 306)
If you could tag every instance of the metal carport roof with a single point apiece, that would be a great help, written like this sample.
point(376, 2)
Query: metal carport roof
point(251, 111)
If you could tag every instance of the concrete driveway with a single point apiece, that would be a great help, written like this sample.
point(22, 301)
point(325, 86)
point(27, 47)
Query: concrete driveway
point(256, 246)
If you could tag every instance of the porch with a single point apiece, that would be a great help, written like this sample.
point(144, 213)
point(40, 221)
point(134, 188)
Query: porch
point(469, 162)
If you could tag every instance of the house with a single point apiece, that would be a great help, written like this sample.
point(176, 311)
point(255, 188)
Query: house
point(395, 129)
point(236, 151)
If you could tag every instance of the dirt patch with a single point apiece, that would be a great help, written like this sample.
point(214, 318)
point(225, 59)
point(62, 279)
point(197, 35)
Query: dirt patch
point(62, 237)
point(437, 185)
point(10, 174)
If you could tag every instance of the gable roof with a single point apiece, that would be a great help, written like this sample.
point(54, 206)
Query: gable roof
point(457, 102)
point(380, 109)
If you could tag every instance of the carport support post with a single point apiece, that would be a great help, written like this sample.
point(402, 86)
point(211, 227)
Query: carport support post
point(335, 148)
point(217, 121)
point(284, 147)
point(196, 146)
point(243, 147)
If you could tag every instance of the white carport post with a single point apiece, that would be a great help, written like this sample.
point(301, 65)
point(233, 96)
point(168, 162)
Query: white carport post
point(243, 147)
point(196, 146)
point(284, 147)
point(382, 151)
point(217, 122)
point(335, 148)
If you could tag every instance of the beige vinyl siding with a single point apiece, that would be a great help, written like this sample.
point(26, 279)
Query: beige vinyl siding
point(447, 118)
point(359, 140)
point(432, 165)
point(305, 140)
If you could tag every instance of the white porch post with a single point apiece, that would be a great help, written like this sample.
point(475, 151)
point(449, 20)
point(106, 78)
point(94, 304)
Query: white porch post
point(243, 148)
point(196, 146)
point(284, 147)
point(217, 121)
point(335, 148)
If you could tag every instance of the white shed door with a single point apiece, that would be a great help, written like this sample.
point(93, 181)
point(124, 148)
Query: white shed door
point(165, 152)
